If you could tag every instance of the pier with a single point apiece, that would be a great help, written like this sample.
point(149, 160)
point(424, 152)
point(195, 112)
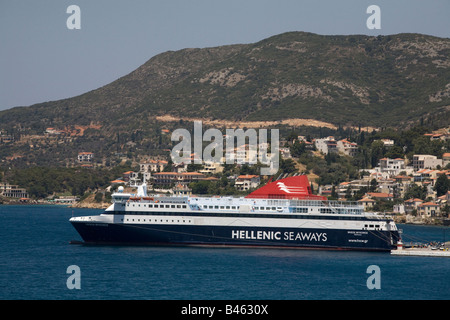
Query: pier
point(421, 251)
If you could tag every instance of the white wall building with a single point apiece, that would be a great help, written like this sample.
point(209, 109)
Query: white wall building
point(426, 161)
point(326, 145)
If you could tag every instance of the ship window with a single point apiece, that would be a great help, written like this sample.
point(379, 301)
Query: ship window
point(210, 207)
point(228, 207)
point(150, 206)
point(172, 206)
point(233, 207)
point(222, 207)
point(184, 206)
point(216, 207)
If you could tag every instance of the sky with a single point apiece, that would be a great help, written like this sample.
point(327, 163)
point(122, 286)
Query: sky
point(41, 59)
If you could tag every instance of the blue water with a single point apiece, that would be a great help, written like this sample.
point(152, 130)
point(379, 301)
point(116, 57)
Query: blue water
point(35, 253)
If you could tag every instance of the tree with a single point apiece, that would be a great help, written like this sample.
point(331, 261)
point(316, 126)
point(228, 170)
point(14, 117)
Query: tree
point(373, 185)
point(298, 148)
point(334, 194)
point(348, 193)
point(395, 152)
point(442, 185)
point(377, 153)
point(415, 191)
point(98, 197)
point(287, 166)
point(199, 187)
point(168, 167)
point(192, 167)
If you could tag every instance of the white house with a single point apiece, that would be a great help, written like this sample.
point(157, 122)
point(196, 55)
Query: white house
point(426, 161)
point(247, 182)
point(326, 145)
point(85, 156)
point(346, 147)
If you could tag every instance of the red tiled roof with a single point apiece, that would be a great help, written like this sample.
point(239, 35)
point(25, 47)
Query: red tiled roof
point(428, 204)
point(380, 195)
point(366, 200)
point(247, 176)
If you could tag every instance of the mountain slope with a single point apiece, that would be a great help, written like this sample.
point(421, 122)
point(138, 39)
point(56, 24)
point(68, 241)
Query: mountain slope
point(358, 80)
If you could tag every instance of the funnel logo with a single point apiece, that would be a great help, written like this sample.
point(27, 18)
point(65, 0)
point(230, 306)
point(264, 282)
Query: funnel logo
point(289, 189)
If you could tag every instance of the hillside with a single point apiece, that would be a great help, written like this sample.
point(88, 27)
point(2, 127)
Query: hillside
point(384, 81)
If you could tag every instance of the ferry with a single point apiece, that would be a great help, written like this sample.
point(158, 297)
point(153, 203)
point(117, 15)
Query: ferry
point(281, 214)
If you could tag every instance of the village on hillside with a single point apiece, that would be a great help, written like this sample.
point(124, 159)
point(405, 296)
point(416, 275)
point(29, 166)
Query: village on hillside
point(416, 191)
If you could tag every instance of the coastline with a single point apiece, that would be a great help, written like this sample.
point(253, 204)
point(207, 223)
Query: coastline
point(425, 221)
point(85, 204)
point(91, 205)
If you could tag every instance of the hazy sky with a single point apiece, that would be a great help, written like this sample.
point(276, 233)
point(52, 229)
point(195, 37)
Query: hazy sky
point(42, 60)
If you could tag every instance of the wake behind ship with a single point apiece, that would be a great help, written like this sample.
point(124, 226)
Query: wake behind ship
point(283, 213)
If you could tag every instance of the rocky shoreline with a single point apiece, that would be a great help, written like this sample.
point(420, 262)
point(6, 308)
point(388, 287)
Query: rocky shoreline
point(411, 219)
point(91, 205)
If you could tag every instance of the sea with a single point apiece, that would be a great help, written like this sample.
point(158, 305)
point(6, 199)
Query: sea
point(38, 263)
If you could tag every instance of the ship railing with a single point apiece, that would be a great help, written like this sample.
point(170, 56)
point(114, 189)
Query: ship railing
point(324, 203)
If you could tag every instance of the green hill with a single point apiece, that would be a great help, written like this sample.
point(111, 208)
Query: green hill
point(385, 81)
point(378, 81)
